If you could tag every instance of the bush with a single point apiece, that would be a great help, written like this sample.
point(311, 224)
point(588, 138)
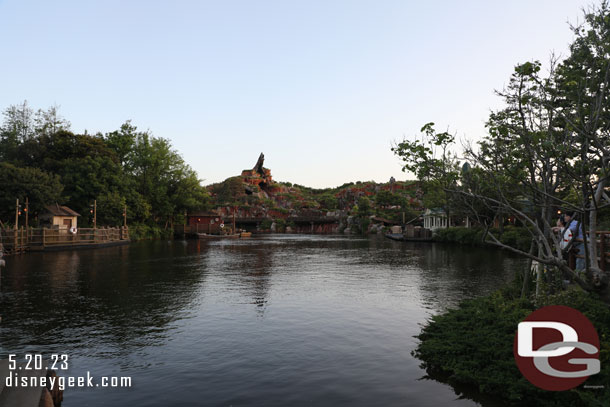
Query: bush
point(146, 232)
point(472, 236)
point(265, 224)
point(473, 345)
point(517, 237)
point(280, 225)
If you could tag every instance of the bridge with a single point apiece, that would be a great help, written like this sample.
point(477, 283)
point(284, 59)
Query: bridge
point(302, 224)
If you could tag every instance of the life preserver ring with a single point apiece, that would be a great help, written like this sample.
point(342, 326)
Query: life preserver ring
point(222, 225)
point(566, 238)
point(73, 230)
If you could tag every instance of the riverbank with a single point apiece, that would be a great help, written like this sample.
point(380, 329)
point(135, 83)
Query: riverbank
point(517, 237)
point(472, 346)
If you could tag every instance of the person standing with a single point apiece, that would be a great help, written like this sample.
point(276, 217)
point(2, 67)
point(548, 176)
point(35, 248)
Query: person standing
point(566, 221)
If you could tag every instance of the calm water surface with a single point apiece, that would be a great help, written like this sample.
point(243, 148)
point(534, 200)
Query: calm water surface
point(268, 321)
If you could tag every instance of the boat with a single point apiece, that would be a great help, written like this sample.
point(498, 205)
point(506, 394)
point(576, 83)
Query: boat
point(245, 234)
point(402, 238)
point(395, 236)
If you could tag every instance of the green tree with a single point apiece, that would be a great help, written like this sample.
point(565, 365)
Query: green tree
point(583, 81)
point(122, 142)
point(549, 147)
point(229, 191)
point(364, 207)
point(432, 161)
point(39, 187)
point(328, 201)
point(164, 179)
point(388, 198)
point(47, 122)
point(17, 126)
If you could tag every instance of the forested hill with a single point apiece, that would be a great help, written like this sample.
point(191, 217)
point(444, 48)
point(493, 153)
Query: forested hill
point(254, 193)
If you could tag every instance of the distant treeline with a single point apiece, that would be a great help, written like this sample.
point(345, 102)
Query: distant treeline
point(43, 160)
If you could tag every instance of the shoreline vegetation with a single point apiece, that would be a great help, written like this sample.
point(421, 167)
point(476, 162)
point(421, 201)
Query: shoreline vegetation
point(471, 348)
point(545, 156)
point(513, 236)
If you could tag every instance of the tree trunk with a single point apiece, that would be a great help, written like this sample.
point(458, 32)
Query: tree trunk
point(525, 289)
point(599, 278)
point(539, 268)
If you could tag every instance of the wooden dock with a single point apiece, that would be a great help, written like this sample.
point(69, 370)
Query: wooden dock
point(37, 396)
point(44, 239)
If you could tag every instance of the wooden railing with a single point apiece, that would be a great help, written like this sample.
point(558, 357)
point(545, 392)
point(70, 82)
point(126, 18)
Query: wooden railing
point(603, 251)
point(20, 240)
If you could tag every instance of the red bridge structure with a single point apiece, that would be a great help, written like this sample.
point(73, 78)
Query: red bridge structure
point(302, 224)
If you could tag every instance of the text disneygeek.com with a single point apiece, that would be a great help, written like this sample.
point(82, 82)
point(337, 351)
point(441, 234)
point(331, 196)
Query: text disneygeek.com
point(16, 380)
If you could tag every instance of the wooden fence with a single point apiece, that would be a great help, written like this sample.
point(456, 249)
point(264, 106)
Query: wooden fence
point(20, 240)
point(603, 251)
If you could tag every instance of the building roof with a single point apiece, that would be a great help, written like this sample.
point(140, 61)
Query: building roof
point(58, 210)
point(435, 212)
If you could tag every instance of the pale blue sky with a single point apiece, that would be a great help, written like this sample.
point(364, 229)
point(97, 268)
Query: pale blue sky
point(321, 87)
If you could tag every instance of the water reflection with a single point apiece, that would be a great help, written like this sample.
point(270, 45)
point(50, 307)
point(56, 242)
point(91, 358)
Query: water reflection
point(273, 320)
point(116, 298)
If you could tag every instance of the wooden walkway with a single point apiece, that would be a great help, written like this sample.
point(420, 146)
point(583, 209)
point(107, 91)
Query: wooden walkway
point(18, 396)
point(39, 239)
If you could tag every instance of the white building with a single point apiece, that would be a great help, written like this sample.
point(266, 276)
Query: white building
point(435, 219)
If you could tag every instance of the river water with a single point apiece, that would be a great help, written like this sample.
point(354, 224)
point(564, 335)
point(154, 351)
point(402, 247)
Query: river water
point(277, 320)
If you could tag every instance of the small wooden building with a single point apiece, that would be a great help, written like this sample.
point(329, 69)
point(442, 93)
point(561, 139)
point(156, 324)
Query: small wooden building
point(205, 222)
point(59, 216)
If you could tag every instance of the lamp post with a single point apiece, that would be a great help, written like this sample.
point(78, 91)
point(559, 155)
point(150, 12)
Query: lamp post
point(93, 211)
point(27, 211)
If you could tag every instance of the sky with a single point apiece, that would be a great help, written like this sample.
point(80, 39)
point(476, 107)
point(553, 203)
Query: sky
point(322, 87)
